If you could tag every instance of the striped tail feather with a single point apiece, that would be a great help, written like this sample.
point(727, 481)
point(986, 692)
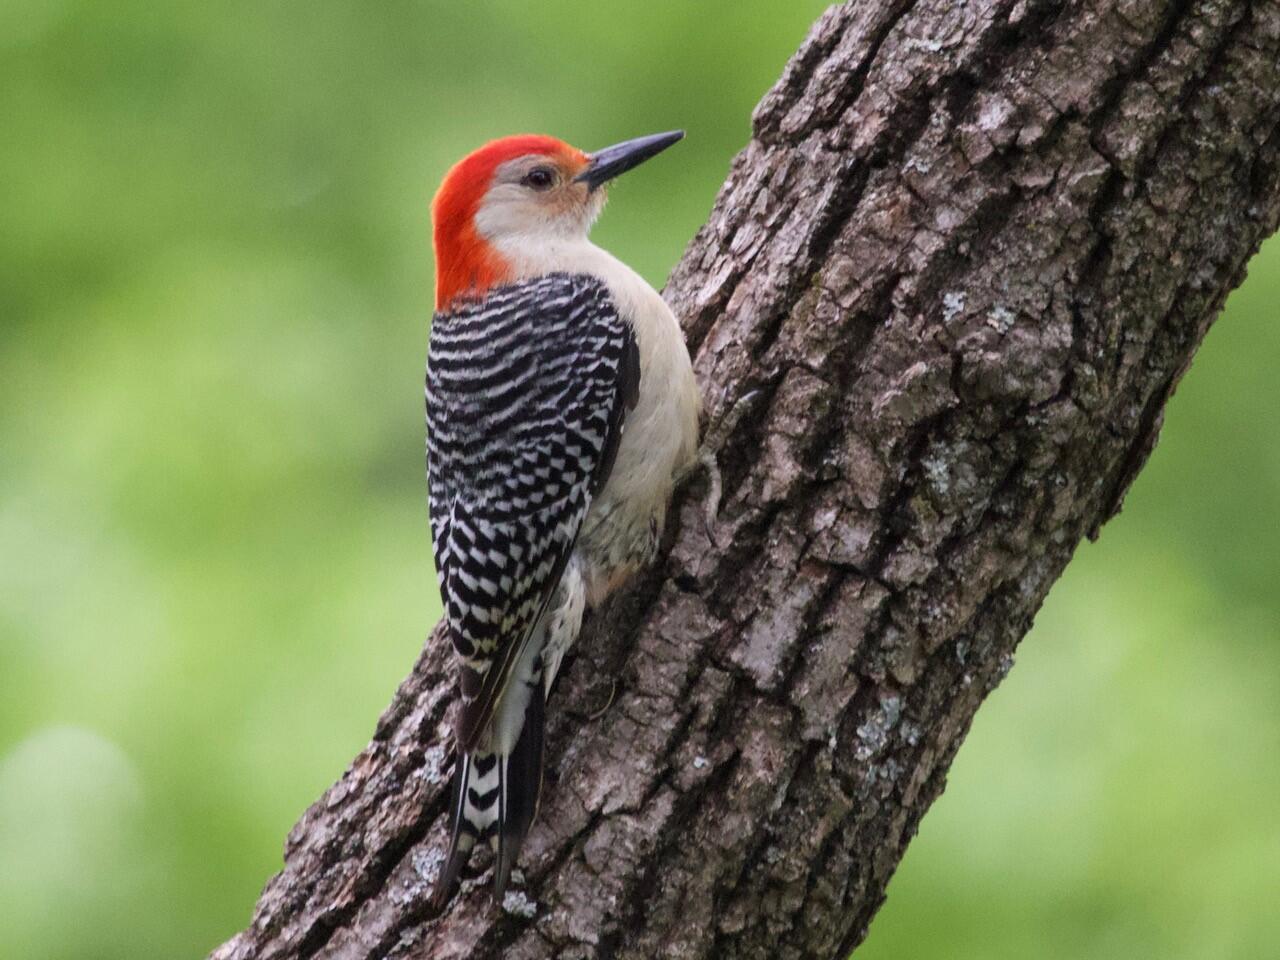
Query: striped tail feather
point(520, 785)
point(496, 791)
point(473, 815)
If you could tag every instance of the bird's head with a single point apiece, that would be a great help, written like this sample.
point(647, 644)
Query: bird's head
point(527, 189)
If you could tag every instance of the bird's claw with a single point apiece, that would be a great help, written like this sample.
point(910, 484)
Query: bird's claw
point(711, 502)
point(613, 693)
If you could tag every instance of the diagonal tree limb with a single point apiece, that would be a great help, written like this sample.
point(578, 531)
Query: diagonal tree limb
point(937, 309)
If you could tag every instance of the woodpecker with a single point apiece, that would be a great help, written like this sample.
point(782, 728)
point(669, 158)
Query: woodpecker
point(561, 408)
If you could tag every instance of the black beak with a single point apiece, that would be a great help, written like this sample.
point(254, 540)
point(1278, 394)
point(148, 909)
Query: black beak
point(604, 165)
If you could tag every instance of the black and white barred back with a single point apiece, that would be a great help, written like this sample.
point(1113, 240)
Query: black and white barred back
point(526, 394)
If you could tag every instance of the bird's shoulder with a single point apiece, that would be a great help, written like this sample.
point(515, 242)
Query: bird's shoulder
point(535, 366)
point(561, 298)
point(529, 337)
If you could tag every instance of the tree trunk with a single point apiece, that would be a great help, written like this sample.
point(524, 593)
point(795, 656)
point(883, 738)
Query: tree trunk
point(937, 311)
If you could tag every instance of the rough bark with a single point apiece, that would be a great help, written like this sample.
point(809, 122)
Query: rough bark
point(937, 311)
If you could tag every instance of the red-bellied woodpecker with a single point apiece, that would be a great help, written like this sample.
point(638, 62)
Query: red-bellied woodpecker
point(561, 407)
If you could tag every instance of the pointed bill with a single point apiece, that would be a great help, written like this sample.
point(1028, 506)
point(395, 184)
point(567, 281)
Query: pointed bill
point(604, 165)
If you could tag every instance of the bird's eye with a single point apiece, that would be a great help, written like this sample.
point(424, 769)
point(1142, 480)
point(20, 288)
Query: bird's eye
point(540, 178)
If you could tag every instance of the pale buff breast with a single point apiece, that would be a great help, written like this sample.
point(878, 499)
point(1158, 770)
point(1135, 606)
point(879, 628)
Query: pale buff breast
point(661, 434)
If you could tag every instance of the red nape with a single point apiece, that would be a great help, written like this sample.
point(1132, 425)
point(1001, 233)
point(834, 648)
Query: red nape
point(465, 262)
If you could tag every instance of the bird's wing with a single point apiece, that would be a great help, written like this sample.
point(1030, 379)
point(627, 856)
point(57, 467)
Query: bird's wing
point(527, 391)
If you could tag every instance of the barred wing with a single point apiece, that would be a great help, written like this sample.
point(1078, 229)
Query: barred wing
point(526, 395)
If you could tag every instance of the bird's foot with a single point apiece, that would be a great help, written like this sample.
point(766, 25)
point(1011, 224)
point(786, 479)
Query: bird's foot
point(716, 437)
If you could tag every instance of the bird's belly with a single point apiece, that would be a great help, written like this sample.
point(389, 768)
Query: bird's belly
point(660, 435)
point(613, 545)
point(624, 524)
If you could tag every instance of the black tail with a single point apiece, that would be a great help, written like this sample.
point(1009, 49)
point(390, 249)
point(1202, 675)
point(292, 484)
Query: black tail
point(495, 798)
point(520, 785)
point(462, 831)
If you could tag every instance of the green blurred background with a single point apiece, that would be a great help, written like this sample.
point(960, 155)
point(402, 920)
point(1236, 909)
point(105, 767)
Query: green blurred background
point(214, 568)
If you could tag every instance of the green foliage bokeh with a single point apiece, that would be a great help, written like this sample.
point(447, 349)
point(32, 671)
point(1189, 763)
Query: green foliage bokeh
point(214, 562)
